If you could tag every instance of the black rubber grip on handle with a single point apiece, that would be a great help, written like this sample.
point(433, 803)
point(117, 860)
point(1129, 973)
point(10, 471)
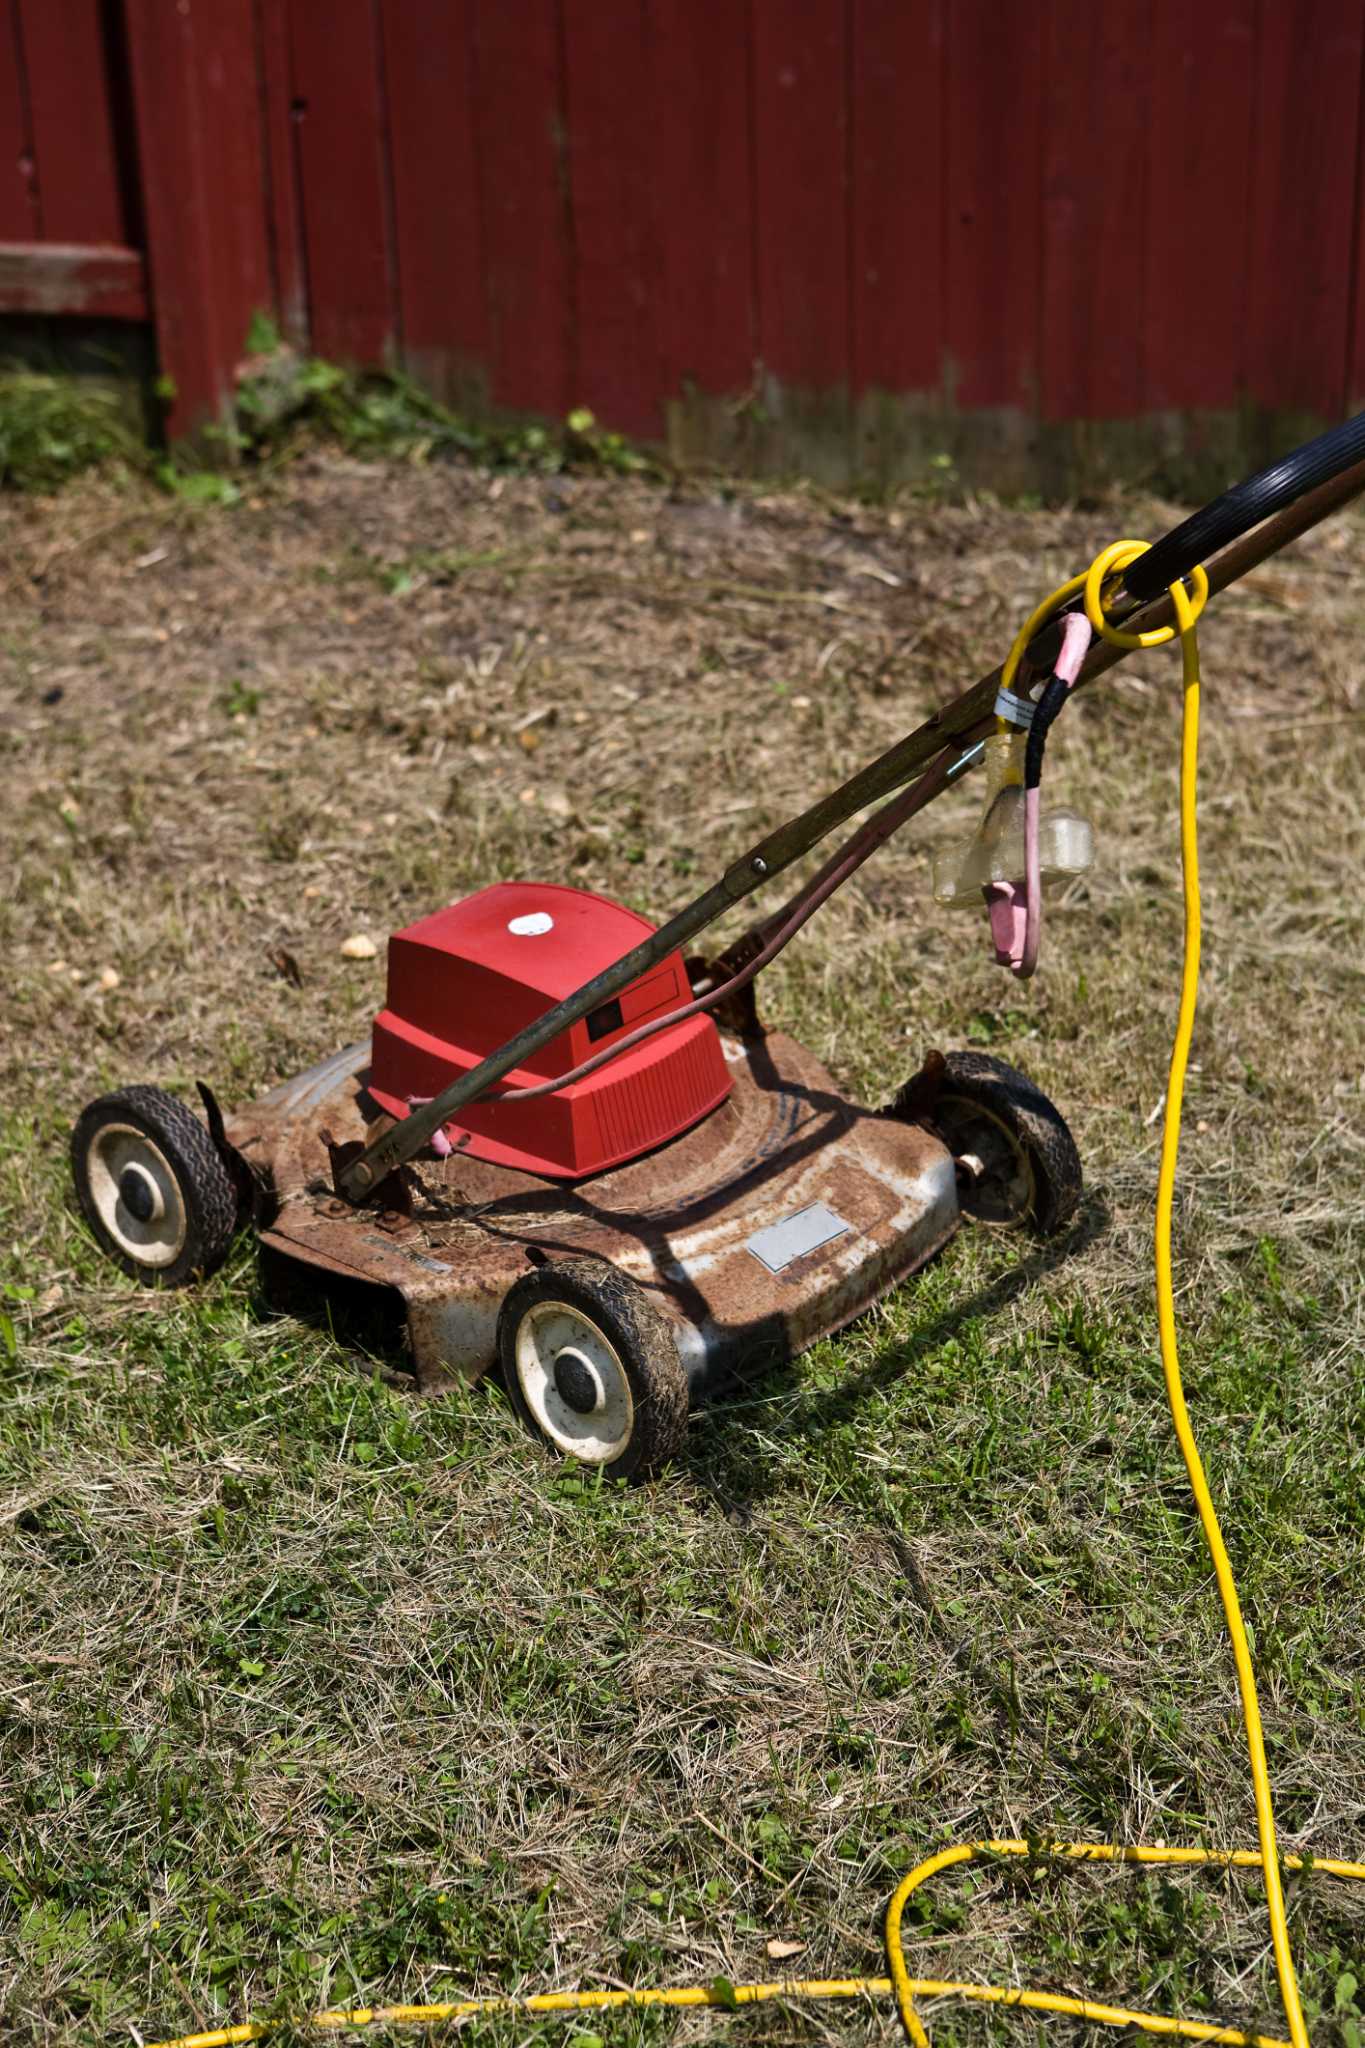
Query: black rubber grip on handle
point(1236, 511)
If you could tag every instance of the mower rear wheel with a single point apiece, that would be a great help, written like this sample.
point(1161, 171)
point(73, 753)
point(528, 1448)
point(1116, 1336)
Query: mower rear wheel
point(1017, 1162)
point(157, 1196)
point(592, 1368)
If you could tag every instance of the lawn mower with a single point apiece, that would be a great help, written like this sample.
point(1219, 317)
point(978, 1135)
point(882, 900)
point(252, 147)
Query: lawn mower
point(571, 1150)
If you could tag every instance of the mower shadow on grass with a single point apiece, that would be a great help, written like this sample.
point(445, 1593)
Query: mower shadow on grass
point(738, 1476)
point(367, 1321)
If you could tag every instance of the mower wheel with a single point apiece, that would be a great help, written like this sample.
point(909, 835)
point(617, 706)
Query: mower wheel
point(153, 1189)
point(1016, 1159)
point(592, 1368)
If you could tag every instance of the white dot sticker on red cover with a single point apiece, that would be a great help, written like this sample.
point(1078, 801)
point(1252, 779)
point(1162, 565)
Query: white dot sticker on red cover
point(532, 925)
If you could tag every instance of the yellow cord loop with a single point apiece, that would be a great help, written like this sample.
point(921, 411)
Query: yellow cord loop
point(905, 1988)
point(1110, 562)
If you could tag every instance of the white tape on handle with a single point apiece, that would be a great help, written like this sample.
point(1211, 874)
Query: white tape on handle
point(1018, 710)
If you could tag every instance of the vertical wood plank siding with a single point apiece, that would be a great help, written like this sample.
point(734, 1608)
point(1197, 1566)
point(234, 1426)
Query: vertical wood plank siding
point(845, 235)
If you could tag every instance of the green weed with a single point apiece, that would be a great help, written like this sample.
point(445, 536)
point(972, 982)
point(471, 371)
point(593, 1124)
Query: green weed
point(53, 427)
point(387, 413)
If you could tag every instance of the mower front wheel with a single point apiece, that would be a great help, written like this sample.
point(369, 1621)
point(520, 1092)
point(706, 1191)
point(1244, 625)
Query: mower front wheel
point(157, 1196)
point(592, 1369)
point(1017, 1163)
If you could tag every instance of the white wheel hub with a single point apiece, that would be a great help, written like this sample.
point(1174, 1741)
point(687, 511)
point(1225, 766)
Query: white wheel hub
point(572, 1380)
point(136, 1194)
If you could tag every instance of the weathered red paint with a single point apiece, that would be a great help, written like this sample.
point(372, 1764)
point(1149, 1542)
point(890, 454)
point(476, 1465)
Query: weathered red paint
point(801, 190)
point(434, 121)
point(1197, 164)
point(706, 316)
point(1096, 90)
point(19, 219)
point(993, 288)
point(86, 193)
point(343, 145)
point(524, 197)
point(201, 151)
point(896, 270)
point(609, 131)
point(681, 1221)
point(1302, 200)
point(279, 125)
point(1034, 209)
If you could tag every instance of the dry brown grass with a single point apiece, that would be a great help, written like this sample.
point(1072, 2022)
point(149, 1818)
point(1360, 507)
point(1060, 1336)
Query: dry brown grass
point(228, 737)
point(281, 1720)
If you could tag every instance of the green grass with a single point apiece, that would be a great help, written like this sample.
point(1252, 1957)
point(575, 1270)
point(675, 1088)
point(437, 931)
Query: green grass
point(366, 1700)
point(315, 1692)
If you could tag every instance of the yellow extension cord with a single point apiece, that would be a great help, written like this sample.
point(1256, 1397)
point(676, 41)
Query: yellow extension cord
point(906, 1988)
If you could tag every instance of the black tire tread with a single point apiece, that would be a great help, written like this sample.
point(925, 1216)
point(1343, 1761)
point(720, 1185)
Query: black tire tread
point(643, 1338)
point(1033, 1119)
point(211, 1203)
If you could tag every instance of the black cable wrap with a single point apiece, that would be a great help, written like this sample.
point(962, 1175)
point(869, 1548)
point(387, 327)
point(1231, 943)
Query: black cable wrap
point(1045, 711)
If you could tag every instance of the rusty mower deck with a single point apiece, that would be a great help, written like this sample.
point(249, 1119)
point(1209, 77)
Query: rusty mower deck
point(775, 1221)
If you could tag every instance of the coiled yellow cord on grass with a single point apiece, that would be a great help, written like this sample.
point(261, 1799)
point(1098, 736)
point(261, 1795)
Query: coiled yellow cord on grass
point(900, 1984)
point(905, 1988)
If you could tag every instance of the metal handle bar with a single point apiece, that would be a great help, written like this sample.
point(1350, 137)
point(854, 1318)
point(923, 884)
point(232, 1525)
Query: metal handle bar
point(958, 725)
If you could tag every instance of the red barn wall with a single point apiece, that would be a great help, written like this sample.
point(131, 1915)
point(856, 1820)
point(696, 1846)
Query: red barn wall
point(1037, 237)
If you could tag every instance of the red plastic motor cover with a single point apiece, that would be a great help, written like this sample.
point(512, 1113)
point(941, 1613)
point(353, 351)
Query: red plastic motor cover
point(463, 981)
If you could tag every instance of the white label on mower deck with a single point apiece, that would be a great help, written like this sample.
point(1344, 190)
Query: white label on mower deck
point(781, 1243)
point(532, 925)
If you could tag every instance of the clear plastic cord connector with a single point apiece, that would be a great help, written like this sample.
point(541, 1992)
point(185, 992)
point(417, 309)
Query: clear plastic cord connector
point(995, 851)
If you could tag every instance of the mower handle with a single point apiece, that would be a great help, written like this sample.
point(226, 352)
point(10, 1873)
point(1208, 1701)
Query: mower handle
point(1234, 512)
point(960, 724)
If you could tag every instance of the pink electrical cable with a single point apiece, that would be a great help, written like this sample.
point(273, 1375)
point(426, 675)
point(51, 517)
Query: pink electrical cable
point(836, 871)
point(1075, 640)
